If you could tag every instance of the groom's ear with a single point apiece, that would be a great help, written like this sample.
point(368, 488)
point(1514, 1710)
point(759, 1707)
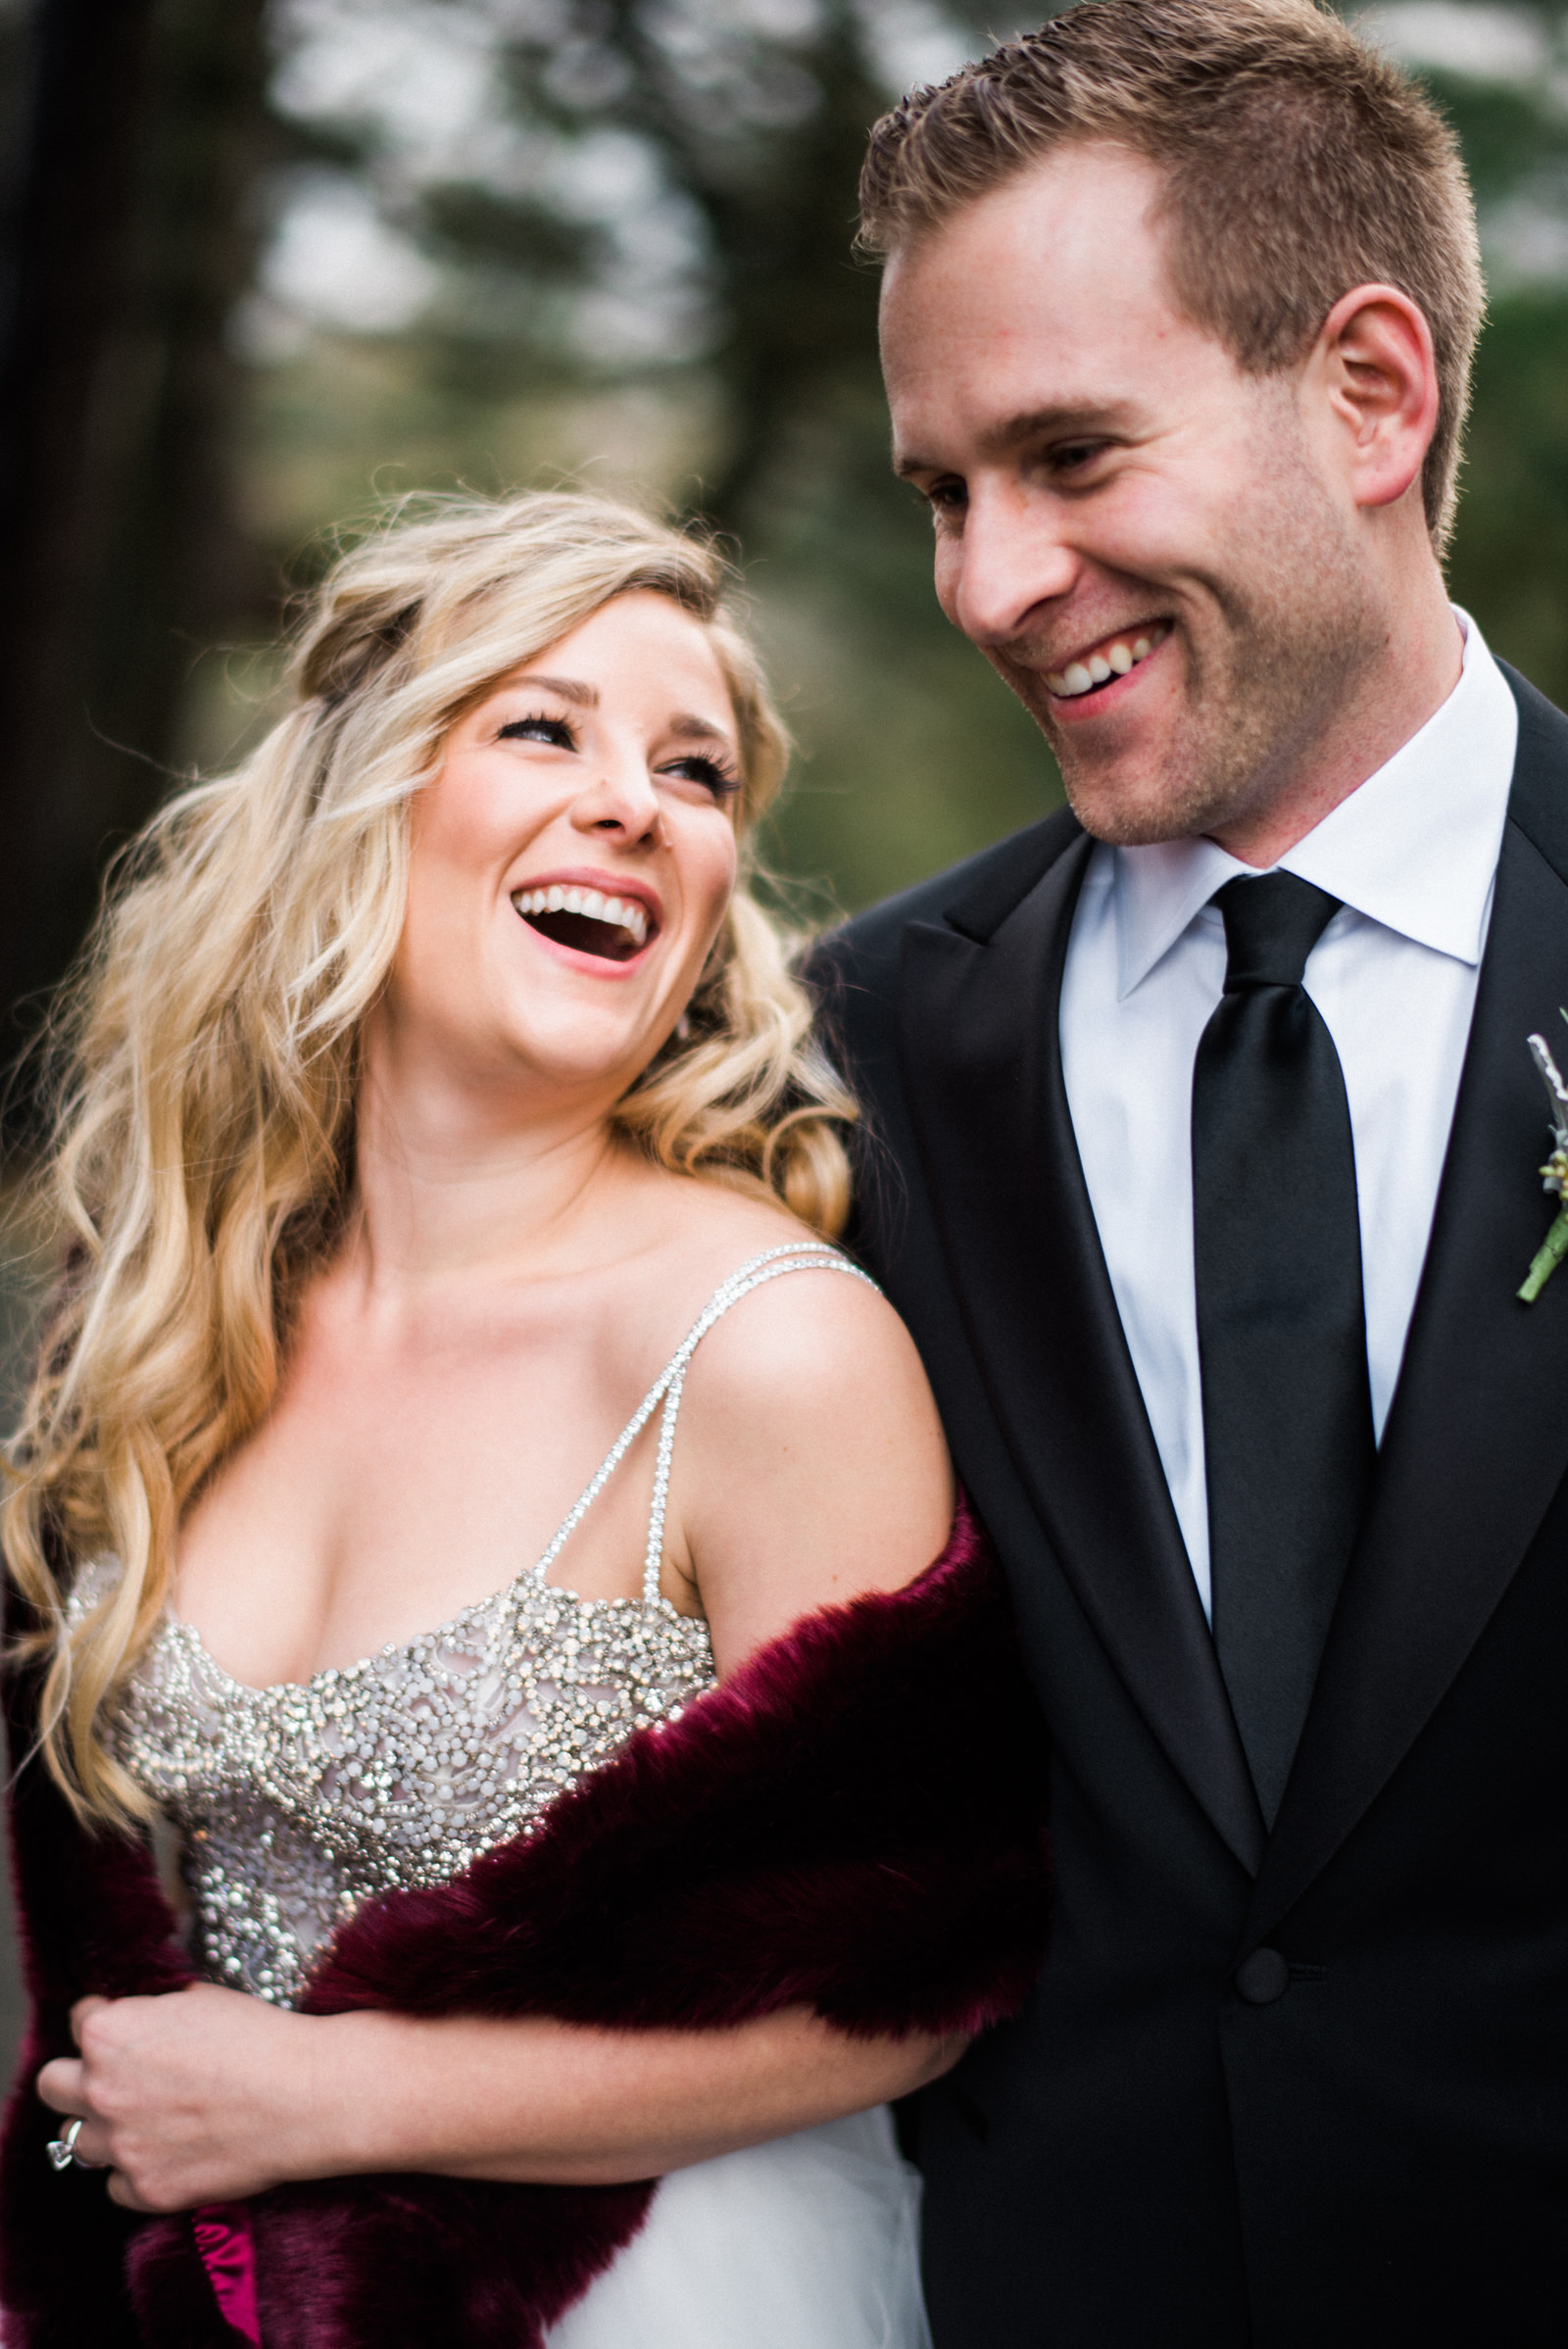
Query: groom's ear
point(1371, 390)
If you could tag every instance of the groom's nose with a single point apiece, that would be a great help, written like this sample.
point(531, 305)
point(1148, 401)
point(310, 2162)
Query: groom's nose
point(1008, 558)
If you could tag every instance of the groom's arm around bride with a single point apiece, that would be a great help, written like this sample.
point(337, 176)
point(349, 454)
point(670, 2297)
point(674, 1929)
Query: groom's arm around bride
point(1204, 1165)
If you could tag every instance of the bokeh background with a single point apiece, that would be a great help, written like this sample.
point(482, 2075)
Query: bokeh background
point(270, 263)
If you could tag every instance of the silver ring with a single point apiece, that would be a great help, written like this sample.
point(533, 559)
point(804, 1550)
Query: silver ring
point(62, 2150)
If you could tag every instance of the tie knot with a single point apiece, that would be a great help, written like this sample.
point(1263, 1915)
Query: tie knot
point(1271, 927)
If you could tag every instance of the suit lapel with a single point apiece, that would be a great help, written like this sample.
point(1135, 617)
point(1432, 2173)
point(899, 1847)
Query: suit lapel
point(1477, 1440)
point(982, 1060)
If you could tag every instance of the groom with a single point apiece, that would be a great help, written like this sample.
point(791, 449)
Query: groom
point(1203, 1158)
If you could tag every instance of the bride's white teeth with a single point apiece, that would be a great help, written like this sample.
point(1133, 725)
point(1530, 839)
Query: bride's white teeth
point(626, 914)
point(616, 914)
point(1120, 657)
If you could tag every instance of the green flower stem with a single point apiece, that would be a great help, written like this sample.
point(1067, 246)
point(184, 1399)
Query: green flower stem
point(1549, 1255)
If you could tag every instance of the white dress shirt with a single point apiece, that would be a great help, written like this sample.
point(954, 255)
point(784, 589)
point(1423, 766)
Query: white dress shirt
point(1412, 856)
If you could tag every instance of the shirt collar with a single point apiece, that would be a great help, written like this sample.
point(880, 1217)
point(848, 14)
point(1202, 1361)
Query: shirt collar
point(1414, 848)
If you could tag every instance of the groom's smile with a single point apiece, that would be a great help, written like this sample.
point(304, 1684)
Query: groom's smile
point(1091, 673)
point(1163, 555)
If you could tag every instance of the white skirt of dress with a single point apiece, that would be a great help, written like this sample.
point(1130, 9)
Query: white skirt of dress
point(809, 2243)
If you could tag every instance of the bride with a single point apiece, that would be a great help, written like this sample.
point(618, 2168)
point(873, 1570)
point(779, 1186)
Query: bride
point(450, 1179)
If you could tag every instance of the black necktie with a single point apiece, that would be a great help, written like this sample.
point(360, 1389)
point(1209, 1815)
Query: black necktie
point(1281, 1327)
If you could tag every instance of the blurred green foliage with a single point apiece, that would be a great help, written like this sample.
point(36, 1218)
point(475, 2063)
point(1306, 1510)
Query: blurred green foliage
point(491, 242)
point(911, 754)
point(755, 401)
point(1509, 563)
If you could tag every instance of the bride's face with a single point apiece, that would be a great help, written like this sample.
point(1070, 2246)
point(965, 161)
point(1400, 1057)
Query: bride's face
point(571, 863)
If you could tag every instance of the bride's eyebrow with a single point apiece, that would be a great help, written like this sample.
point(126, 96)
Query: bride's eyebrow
point(697, 729)
point(571, 689)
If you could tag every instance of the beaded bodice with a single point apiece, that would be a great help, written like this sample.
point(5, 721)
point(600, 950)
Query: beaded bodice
point(294, 1803)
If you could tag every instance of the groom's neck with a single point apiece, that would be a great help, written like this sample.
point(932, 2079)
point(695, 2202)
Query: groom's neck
point(1412, 673)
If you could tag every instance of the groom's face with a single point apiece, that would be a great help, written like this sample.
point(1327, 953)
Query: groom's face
point(1152, 547)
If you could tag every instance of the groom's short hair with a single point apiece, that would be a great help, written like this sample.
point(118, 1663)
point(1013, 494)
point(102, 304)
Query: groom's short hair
point(1298, 162)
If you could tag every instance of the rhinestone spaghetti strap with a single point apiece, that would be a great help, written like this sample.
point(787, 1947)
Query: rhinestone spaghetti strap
point(807, 1256)
point(294, 1803)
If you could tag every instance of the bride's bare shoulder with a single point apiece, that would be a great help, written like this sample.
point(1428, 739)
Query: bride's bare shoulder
point(830, 1322)
point(811, 1463)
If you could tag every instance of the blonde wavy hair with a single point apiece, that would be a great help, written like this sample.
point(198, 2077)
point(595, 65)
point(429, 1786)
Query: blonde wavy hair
point(204, 1053)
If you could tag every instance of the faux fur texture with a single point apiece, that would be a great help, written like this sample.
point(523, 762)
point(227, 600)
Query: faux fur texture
point(853, 1823)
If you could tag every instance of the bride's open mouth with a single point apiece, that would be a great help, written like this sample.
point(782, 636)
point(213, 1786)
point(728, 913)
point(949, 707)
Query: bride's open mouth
point(588, 921)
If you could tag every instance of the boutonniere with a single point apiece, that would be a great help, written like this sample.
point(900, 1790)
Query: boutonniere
point(1553, 1175)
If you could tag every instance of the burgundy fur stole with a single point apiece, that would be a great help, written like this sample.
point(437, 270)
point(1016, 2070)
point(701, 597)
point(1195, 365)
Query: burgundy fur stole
point(852, 1822)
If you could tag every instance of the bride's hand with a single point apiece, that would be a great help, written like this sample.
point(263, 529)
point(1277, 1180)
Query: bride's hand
point(196, 2097)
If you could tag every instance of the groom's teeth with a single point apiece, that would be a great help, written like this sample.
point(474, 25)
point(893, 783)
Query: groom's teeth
point(1114, 660)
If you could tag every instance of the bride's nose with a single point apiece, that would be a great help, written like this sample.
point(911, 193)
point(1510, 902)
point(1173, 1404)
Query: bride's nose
point(622, 798)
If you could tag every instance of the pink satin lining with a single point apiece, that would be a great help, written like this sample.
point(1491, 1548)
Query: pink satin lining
point(222, 2232)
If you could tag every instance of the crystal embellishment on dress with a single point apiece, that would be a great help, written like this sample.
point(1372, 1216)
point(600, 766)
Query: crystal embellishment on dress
point(297, 1802)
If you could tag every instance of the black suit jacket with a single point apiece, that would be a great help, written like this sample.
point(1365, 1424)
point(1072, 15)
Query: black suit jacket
point(1373, 2147)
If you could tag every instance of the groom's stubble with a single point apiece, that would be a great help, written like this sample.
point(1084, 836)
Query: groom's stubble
point(1292, 629)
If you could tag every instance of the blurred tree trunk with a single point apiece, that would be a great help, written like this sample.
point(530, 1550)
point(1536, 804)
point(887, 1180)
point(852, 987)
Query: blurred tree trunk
point(799, 314)
point(71, 301)
point(183, 572)
point(119, 400)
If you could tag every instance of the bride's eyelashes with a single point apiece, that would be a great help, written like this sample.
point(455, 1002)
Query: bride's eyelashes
point(712, 773)
point(559, 732)
point(693, 766)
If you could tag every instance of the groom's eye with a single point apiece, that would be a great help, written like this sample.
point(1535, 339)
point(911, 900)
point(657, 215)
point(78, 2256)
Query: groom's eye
point(946, 497)
point(1073, 455)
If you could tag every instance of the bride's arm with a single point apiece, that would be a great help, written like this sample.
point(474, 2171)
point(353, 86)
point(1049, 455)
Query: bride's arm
point(209, 2095)
point(810, 1468)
